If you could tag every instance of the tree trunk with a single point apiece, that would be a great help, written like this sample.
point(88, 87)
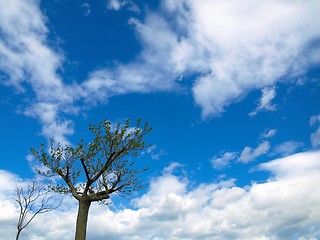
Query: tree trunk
point(82, 219)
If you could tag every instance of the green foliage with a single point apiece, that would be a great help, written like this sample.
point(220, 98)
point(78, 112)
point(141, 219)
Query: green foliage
point(96, 169)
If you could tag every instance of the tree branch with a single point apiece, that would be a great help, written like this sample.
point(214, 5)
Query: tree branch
point(109, 161)
point(70, 184)
point(85, 169)
point(28, 204)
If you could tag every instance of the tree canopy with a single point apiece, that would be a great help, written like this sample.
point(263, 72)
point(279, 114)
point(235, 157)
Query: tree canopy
point(91, 171)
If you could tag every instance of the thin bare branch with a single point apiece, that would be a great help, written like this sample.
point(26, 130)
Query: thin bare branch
point(32, 200)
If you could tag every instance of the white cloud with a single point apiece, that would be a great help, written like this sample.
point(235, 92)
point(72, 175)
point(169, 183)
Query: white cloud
point(315, 136)
point(246, 45)
point(29, 63)
point(268, 94)
point(277, 209)
point(173, 166)
point(25, 56)
point(52, 127)
point(223, 161)
point(249, 154)
point(155, 153)
point(268, 133)
point(9, 211)
point(86, 9)
point(233, 47)
point(314, 119)
point(158, 155)
point(119, 4)
point(287, 148)
point(294, 165)
point(147, 74)
point(115, 4)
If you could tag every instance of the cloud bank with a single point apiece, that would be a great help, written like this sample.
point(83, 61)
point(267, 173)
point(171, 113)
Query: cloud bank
point(287, 206)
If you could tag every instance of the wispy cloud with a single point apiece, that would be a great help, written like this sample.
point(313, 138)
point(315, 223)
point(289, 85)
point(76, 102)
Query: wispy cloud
point(171, 168)
point(286, 148)
point(185, 47)
point(119, 4)
point(238, 47)
point(268, 133)
point(315, 136)
point(86, 9)
point(52, 126)
point(243, 47)
point(276, 209)
point(29, 63)
point(250, 154)
point(265, 102)
point(155, 153)
point(223, 160)
point(116, 4)
point(159, 154)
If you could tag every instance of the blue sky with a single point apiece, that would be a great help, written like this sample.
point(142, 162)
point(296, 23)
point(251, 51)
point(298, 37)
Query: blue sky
point(231, 89)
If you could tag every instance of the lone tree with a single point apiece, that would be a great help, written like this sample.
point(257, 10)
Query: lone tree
point(32, 199)
point(92, 171)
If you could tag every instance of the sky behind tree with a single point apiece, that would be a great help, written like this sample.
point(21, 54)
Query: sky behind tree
point(231, 89)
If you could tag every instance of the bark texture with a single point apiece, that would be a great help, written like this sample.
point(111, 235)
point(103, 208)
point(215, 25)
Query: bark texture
point(82, 219)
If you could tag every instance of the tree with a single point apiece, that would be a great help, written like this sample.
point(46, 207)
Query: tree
point(34, 199)
point(92, 171)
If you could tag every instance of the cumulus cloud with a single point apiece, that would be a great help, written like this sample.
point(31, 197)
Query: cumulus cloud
point(276, 209)
point(249, 154)
point(9, 211)
point(315, 136)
